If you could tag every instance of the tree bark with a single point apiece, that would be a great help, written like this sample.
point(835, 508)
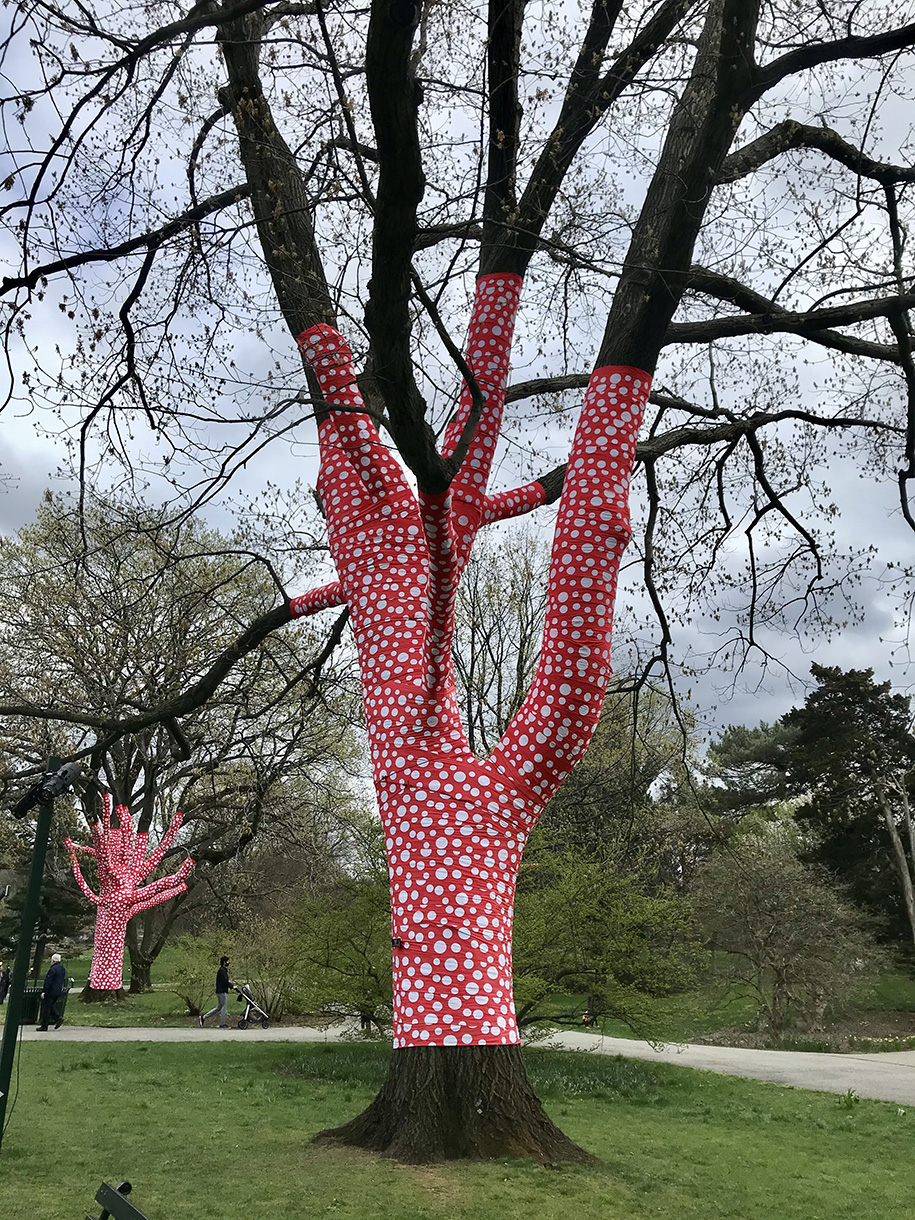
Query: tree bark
point(140, 974)
point(442, 1103)
point(899, 856)
point(95, 995)
point(37, 957)
point(657, 266)
point(282, 208)
point(145, 942)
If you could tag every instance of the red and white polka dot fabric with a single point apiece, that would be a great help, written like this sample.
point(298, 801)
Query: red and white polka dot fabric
point(557, 719)
point(455, 825)
point(318, 599)
point(121, 861)
point(514, 503)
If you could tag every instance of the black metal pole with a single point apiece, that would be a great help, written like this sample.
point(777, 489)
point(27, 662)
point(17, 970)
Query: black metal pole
point(24, 949)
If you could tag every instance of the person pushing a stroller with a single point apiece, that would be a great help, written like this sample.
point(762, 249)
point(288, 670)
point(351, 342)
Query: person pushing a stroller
point(223, 986)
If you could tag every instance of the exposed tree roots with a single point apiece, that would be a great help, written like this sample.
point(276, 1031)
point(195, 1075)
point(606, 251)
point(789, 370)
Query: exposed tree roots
point(442, 1103)
point(92, 995)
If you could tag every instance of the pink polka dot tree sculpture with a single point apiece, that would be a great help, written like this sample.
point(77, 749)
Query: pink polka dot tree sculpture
point(120, 854)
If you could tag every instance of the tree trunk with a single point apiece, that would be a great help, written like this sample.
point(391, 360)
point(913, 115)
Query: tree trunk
point(442, 1103)
point(909, 828)
point(106, 972)
point(93, 995)
point(899, 857)
point(38, 956)
point(455, 825)
point(141, 961)
point(140, 974)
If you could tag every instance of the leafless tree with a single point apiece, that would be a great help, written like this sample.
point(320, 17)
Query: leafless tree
point(499, 622)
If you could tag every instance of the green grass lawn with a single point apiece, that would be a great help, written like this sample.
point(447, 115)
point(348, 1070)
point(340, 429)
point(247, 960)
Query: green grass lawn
point(894, 991)
point(209, 1132)
point(155, 1009)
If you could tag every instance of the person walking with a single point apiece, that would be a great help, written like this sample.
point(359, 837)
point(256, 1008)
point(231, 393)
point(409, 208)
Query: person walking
point(54, 982)
point(5, 977)
point(223, 987)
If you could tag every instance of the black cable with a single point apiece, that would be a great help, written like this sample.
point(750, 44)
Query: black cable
point(14, 1097)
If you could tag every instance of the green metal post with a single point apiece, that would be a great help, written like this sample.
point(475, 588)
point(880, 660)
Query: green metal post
point(24, 950)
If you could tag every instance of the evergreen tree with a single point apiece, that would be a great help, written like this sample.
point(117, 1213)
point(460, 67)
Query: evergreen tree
point(851, 758)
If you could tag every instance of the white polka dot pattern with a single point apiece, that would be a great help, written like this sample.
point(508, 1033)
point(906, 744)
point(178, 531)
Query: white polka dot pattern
point(455, 826)
point(555, 723)
point(121, 860)
point(451, 521)
point(489, 337)
point(515, 503)
point(318, 599)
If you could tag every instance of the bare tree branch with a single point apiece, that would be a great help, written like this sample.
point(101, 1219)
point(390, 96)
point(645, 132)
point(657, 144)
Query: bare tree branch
point(587, 99)
point(686, 435)
point(814, 54)
point(394, 97)
point(150, 240)
point(505, 19)
point(789, 135)
point(281, 206)
point(811, 324)
point(706, 118)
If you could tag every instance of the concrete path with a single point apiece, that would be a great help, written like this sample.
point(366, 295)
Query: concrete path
point(885, 1077)
point(888, 1076)
point(189, 1033)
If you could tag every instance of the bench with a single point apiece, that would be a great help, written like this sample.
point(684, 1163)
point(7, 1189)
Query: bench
point(115, 1204)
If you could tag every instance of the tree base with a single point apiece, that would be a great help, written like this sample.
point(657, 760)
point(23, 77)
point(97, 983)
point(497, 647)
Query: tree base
point(443, 1103)
point(94, 995)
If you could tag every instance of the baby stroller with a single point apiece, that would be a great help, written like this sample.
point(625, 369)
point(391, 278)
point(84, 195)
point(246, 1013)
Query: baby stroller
point(245, 997)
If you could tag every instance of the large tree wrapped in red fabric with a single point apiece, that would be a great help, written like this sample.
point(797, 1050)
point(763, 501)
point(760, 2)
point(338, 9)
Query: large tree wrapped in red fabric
point(121, 859)
point(456, 825)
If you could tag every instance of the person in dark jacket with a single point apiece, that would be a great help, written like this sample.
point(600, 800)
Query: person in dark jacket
point(5, 977)
point(54, 983)
point(223, 987)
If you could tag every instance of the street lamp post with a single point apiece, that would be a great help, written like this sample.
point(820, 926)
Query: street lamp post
point(53, 784)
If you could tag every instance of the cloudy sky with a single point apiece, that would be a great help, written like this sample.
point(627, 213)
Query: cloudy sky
point(763, 689)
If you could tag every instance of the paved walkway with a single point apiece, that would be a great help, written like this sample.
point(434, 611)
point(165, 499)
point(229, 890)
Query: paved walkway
point(886, 1077)
point(188, 1033)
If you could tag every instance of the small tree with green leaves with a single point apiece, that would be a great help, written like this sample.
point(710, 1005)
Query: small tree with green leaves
point(344, 946)
point(193, 966)
point(582, 928)
point(785, 934)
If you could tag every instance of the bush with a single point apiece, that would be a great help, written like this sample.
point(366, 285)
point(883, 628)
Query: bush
point(785, 931)
point(263, 956)
point(195, 960)
point(582, 927)
point(266, 959)
point(344, 953)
